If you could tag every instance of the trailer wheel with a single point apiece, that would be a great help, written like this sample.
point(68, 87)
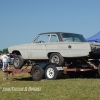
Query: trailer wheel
point(99, 70)
point(51, 72)
point(37, 73)
point(18, 62)
point(56, 58)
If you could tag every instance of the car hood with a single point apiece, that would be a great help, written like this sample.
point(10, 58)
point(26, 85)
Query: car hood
point(17, 47)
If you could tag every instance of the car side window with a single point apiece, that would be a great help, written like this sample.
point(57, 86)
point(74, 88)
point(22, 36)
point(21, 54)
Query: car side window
point(76, 39)
point(42, 39)
point(68, 37)
point(53, 38)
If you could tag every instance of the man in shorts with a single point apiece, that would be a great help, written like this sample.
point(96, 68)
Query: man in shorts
point(0, 61)
point(9, 61)
point(4, 58)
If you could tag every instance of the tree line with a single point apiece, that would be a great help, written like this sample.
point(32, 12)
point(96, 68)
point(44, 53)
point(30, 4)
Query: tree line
point(4, 51)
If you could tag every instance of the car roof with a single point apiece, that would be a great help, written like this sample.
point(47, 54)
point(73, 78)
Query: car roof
point(58, 33)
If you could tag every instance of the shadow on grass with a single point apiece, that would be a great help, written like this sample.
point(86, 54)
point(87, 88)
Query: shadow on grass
point(63, 76)
point(82, 75)
point(23, 79)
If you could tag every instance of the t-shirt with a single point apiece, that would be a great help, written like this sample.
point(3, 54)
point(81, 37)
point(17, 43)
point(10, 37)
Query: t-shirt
point(4, 58)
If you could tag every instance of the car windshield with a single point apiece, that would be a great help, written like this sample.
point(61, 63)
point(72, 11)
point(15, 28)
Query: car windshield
point(70, 37)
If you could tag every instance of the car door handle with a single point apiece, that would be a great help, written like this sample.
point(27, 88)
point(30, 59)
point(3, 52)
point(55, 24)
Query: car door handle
point(69, 46)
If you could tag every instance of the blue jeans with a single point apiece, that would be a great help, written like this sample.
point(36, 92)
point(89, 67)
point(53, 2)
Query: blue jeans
point(4, 66)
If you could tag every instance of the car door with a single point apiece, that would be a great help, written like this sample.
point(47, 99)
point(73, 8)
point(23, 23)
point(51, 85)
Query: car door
point(53, 44)
point(37, 49)
point(75, 45)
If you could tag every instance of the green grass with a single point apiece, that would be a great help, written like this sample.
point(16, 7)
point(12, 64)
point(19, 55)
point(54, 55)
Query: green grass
point(60, 89)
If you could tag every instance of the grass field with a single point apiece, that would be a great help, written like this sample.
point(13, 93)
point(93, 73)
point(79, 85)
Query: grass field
point(59, 89)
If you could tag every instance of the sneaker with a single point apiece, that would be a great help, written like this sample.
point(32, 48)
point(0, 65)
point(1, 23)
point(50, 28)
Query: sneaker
point(5, 78)
point(3, 70)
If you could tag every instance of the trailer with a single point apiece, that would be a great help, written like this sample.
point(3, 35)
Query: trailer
point(51, 70)
point(55, 53)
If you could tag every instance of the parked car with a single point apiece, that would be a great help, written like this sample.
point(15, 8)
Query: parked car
point(55, 47)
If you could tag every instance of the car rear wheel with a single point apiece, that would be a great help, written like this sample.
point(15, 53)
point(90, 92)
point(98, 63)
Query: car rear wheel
point(56, 58)
point(18, 62)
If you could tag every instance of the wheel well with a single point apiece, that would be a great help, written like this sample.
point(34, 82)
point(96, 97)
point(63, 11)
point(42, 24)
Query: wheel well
point(51, 53)
point(16, 52)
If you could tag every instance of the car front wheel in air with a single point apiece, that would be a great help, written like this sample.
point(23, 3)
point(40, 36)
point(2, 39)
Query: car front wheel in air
point(18, 62)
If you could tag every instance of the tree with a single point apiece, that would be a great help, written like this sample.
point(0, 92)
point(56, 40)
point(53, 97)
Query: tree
point(0, 51)
point(4, 50)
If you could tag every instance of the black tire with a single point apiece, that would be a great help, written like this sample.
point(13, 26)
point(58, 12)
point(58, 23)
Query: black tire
point(18, 62)
point(99, 70)
point(56, 58)
point(51, 72)
point(37, 73)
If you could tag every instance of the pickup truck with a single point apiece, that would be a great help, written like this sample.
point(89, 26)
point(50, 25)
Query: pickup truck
point(54, 47)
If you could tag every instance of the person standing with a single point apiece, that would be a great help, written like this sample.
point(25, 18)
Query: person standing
point(9, 61)
point(4, 58)
point(0, 61)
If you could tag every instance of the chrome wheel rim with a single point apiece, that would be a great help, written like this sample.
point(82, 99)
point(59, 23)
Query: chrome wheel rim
point(55, 59)
point(16, 62)
point(50, 72)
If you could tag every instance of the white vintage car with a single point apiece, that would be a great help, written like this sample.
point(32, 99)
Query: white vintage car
point(55, 47)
